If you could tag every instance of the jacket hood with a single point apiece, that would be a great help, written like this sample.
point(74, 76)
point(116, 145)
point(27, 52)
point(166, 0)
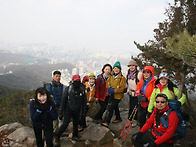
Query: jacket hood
point(151, 68)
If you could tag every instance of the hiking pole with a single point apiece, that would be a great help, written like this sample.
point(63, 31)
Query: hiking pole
point(128, 121)
point(129, 125)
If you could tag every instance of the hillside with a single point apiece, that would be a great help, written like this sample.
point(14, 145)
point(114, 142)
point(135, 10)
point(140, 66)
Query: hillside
point(30, 76)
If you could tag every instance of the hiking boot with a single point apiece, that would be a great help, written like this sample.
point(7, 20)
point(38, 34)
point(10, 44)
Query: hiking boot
point(105, 124)
point(56, 142)
point(134, 123)
point(97, 121)
point(117, 120)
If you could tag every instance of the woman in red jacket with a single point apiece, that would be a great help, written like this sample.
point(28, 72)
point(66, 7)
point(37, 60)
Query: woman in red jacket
point(101, 92)
point(152, 139)
point(143, 92)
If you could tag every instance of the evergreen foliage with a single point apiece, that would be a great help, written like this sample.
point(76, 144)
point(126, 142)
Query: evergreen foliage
point(14, 107)
point(180, 16)
point(183, 46)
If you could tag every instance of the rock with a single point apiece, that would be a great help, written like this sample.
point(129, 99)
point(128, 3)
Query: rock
point(23, 135)
point(97, 133)
point(10, 127)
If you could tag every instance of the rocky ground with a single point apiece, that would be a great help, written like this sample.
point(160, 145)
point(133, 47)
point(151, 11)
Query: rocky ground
point(95, 135)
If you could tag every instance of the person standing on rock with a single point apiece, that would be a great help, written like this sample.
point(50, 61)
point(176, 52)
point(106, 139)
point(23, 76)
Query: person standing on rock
point(101, 91)
point(143, 91)
point(56, 91)
point(43, 112)
point(132, 78)
point(116, 87)
point(74, 101)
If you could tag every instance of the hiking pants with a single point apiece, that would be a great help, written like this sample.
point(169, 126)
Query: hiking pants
point(114, 107)
point(142, 116)
point(67, 117)
point(56, 122)
point(48, 133)
point(133, 101)
point(103, 105)
point(147, 137)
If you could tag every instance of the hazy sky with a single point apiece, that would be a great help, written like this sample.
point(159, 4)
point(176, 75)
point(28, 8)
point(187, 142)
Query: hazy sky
point(77, 24)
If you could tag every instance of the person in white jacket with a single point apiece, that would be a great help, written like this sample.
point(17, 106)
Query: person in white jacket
point(132, 78)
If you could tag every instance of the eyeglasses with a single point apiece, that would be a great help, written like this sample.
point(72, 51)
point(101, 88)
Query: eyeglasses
point(162, 102)
point(164, 74)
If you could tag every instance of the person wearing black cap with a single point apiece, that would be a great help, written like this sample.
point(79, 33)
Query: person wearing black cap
point(74, 102)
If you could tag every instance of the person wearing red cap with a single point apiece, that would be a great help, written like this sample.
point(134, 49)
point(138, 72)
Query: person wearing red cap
point(143, 92)
point(165, 86)
point(73, 102)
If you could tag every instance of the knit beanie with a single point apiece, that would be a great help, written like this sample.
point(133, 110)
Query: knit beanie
point(91, 75)
point(132, 62)
point(117, 64)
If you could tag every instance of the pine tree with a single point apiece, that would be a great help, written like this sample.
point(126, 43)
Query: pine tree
point(181, 15)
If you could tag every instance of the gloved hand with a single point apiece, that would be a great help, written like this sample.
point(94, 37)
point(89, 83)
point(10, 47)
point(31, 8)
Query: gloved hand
point(149, 114)
point(44, 107)
point(136, 136)
point(141, 98)
point(88, 89)
point(111, 90)
point(150, 144)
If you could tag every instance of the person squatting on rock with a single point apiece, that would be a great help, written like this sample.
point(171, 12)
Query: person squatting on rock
point(164, 85)
point(143, 92)
point(132, 78)
point(101, 92)
point(56, 91)
point(152, 139)
point(43, 112)
point(116, 86)
point(74, 101)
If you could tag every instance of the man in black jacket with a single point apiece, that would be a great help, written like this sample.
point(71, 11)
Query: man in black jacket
point(74, 101)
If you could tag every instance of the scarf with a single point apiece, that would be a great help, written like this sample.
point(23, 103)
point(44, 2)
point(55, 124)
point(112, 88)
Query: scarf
point(131, 75)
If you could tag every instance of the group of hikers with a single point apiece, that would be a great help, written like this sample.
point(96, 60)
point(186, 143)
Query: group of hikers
point(56, 101)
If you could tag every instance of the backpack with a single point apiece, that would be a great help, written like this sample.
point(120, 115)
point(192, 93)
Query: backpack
point(182, 126)
point(49, 83)
point(101, 78)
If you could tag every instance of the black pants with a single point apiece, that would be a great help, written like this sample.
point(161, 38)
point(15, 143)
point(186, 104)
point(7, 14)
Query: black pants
point(112, 108)
point(67, 117)
point(133, 101)
point(142, 116)
point(48, 133)
point(147, 137)
point(103, 105)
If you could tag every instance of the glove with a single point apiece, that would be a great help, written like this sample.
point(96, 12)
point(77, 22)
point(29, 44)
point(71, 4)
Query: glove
point(111, 90)
point(136, 136)
point(142, 98)
point(60, 116)
point(44, 107)
point(149, 114)
point(150, 144)
point(88, 89)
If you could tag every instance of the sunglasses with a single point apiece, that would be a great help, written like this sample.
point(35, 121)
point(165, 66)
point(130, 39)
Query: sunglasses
point(164, 74)
point(162, 102)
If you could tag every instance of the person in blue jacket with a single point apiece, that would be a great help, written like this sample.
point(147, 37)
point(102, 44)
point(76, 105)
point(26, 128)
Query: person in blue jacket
point(55, 88)
point(43, 112)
